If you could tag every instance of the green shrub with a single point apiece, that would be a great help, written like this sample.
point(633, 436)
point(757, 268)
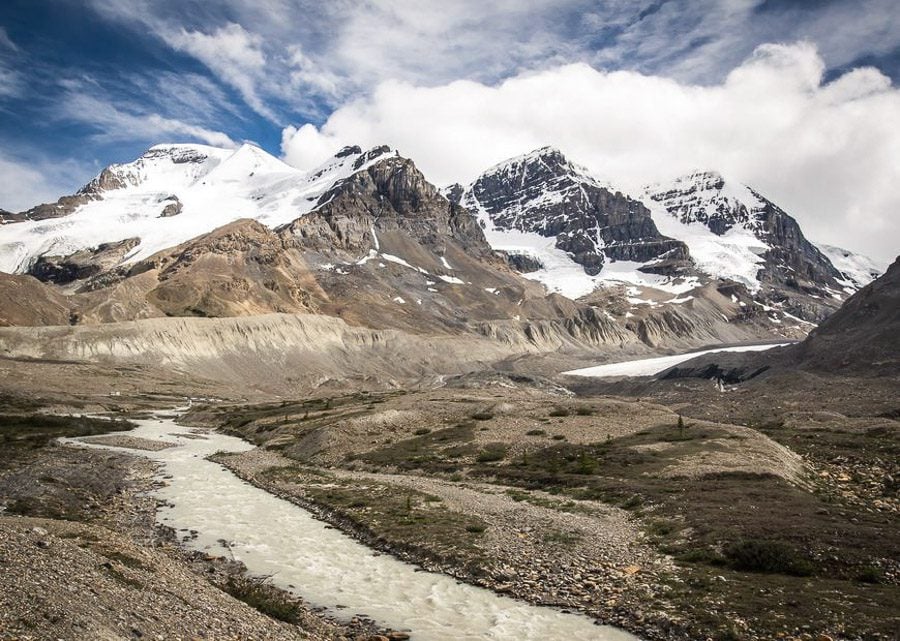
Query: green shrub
point(492, 454)
point(870, 574)
point(535, 433)
point(700, 555)
point(775, 557)
point(266, 598)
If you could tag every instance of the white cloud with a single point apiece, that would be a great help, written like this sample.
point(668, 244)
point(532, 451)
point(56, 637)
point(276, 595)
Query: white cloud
point(825, 152)
point(5, 41)
point(128, 122)
point(233, 54)
point(24, 184)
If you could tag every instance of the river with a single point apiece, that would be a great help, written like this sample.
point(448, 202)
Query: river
point(276, 538)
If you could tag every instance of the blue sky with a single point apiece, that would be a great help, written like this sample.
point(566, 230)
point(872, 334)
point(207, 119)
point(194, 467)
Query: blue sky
point(84, 83)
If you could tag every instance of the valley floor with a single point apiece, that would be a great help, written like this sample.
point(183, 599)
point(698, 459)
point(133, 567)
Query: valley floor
point(767, 511)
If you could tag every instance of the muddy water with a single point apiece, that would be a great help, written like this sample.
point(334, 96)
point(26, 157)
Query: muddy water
point(327, 568)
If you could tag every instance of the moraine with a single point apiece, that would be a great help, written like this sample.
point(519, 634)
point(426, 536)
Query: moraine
point(273, 537)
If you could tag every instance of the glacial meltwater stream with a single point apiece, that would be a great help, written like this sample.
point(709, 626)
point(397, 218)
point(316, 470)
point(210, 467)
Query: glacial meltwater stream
point(327, 568)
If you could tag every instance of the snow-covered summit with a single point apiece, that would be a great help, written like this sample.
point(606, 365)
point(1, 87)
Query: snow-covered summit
point(735, 232)
point(857, 270)
point(175, 192)
point(566, 221)
point(706, 197)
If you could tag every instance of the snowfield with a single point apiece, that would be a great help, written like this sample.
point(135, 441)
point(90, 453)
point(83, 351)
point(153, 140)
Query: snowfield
point(215, 186)
point(218, 186)
point(651, 366)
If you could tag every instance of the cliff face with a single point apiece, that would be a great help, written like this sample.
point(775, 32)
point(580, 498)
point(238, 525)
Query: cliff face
point(545, 194)
point(782, 267)
point(390, 196)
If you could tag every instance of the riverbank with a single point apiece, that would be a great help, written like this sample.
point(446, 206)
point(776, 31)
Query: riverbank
point(83, 558)
point(763, 537)
point(534, 547)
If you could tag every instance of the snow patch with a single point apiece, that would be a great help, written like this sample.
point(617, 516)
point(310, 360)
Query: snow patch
point(651, 366)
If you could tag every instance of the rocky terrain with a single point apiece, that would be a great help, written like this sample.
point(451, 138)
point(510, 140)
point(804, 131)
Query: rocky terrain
point(671, 508)
point(367, 238)
point(83, 558)
point(607, 504)
point(859, 339)
point(393, 352)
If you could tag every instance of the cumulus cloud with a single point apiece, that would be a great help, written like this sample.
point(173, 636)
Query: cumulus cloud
point(825, 151)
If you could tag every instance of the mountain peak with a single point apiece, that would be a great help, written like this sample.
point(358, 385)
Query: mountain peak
point(544, 159)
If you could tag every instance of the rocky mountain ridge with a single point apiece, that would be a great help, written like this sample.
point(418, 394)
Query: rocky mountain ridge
point(365, 237)
point(789, 270)
point(543, 192)
point(698, 229)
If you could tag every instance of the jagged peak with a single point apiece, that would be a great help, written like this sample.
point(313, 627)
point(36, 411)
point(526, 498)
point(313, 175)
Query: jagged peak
point(552, 157)
point(547, 160)
point(348, 160)
point(355, 151)
point(708, 178)
point(706, 186)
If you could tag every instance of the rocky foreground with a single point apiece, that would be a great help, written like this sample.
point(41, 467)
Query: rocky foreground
point(101, 569)
point(671, 508)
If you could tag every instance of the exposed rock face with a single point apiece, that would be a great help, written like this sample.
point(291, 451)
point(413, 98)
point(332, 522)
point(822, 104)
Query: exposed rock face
point(522, 263)
point(10, 217)
point(26, 301)
point(391, 196)
point(173, 207)
point(239, 269)
point(83, 264)
point(544, 193)
point(67, 204)
point(699, 198)
point(862, 336)
point(791, 268)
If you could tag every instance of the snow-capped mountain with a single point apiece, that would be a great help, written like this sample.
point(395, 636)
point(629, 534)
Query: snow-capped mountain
point(197, 230)
point(173, 193)
point(188, 230)
point(731, 210)
point(856, 270)
point(569, 230)
point(580, 232)
point(588, 218)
